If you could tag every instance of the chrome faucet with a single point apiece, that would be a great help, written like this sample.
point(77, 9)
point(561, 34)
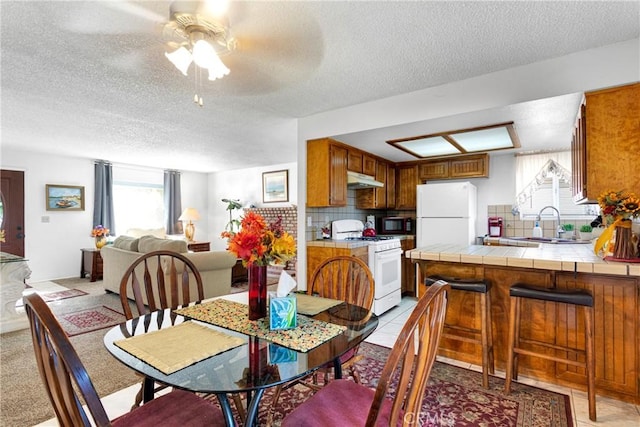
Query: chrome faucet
point(559, 229)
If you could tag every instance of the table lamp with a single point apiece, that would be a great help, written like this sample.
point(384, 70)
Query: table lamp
point(189, 214)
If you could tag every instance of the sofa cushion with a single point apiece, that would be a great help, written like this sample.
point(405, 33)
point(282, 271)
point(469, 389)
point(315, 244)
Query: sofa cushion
point(127, 243)
point(139, 232)
point(148, 244)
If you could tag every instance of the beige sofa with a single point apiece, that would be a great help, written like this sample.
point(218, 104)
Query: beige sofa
point(214, 266)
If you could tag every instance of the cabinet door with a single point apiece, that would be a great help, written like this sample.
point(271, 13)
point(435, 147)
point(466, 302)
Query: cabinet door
point(354, 161)
point(391, 187)
point(338, 176)
point(613, 138)
point(381, 193)
point(469, 167)
point(408, 269)
point(434, 170)
point(315, 256)
point(407, 182)
point(368, 165)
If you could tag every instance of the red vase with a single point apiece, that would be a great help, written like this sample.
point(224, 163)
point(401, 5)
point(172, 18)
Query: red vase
point(257, 291)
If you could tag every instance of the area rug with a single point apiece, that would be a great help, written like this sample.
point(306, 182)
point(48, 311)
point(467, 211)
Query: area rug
point(454, 397)
point(56, 296)
point(90, 319)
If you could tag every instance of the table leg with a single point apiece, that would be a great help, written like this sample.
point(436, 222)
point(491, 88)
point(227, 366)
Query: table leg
point(147, 391)
point(337, 368)
point(252, 408)
point(226, 409)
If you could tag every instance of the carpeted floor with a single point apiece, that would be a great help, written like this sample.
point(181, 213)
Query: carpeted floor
point(23, 399)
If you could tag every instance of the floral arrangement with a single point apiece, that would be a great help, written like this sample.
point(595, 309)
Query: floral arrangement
point(99, 231)
point(258, 244)
point(615, 205)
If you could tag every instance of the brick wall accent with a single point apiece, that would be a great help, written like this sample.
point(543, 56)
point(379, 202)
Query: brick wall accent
point(289, 217)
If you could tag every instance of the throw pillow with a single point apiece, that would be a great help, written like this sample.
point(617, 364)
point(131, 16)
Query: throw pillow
point(127, 243)
point(148, 244)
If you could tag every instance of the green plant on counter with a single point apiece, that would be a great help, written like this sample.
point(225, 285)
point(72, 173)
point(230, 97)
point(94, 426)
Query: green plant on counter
point(567, 227)
point(586, 228)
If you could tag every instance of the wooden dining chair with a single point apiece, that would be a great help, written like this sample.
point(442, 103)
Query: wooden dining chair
point(69, 386)
point(345, 403)
point(344, 278)
point(159, 280)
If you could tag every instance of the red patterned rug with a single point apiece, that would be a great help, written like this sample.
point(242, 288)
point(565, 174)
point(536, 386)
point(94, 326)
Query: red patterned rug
point(454, 397)
point(90, 319)
point(56, 296)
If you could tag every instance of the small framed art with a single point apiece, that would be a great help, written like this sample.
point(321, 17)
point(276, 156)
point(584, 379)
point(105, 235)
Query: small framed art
point(275, 186)
point(64, 197)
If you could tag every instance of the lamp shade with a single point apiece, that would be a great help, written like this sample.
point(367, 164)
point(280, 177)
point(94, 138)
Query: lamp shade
point(189, 214)
point(181, 58)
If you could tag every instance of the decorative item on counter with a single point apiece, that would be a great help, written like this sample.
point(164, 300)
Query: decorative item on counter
point(586, 232)
point(326, 231)
point(568, 231)
point(618, 209)
point(259, 245)
point(100, 233)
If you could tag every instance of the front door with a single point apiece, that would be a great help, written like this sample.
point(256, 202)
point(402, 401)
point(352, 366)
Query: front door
point(12, 212)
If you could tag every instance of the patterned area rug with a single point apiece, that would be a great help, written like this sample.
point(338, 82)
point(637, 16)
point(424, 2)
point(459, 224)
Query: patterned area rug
point(56, 296)
point(88, 320)
point(454, 397)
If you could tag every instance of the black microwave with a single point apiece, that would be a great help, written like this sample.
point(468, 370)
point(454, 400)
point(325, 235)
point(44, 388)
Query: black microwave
point(396, 225)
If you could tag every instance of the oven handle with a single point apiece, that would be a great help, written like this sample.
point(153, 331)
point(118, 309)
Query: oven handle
point(388, 254)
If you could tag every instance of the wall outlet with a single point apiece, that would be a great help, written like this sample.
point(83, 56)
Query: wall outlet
point(309, 222)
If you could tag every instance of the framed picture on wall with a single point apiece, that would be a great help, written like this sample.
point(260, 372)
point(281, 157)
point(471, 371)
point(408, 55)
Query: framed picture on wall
point(275, 186)
point(65, 197)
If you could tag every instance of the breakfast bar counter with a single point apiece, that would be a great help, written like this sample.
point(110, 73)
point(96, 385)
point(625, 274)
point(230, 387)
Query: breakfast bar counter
point(615, 287)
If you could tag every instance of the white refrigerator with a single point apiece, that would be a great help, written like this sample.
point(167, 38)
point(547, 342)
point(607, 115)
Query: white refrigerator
point(446, 213)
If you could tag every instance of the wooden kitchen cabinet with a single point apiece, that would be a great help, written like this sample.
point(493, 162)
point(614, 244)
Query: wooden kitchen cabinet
point(374, 198)
point(605, 154)
point(408, 269)
point(326, 173)
point(391, 186)
point(369, 165)
point(317, 254)
point(406, 186)
point(354, 161)
point(471, 166)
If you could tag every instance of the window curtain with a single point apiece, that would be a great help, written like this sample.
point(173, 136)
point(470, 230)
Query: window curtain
point(532, 169)
point(103, 199)
point(172, 202)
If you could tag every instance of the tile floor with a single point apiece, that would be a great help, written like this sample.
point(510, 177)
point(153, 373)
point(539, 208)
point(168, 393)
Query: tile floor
point(610, 412)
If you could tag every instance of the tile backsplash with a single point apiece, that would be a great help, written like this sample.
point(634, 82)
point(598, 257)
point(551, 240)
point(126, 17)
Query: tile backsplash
point(513, 226)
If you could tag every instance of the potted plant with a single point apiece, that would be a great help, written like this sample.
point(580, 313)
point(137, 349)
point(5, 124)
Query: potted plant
point(586, 232)
point(568, 231)
point(231, 206)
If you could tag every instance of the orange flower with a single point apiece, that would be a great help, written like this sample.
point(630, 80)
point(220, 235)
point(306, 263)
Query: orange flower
point(258, 244)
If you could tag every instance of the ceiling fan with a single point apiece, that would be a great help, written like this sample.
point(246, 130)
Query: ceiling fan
point(258, 47)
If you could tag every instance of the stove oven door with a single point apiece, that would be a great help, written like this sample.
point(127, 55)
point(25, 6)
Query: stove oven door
point(387, 271)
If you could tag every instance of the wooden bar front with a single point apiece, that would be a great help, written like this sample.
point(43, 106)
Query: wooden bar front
point(617, 323)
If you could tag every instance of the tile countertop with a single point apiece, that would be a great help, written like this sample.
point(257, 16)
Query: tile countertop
point(566, 257)
point(350, 244)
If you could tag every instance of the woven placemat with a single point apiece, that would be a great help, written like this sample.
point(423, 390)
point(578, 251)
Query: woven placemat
point(169, 350)
point(309, 334)
point(311, 305)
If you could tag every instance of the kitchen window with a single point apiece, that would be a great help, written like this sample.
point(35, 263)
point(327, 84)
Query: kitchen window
point(545, 180)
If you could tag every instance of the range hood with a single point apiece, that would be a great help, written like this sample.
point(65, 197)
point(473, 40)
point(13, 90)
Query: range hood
point(358, 180)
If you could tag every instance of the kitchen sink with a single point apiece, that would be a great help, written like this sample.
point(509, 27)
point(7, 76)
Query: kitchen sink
point(553, 240)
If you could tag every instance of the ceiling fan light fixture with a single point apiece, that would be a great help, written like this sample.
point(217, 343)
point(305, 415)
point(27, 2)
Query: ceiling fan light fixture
point(181, 58)
point(204, 54)
point(217, 69)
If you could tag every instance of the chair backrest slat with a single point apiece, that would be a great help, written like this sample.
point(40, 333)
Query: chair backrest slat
point(345, 278)
point(170, 287)
point(411, 365)
point(61, 369)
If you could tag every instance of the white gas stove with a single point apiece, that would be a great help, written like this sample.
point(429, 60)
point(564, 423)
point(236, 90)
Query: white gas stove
point(385, 262)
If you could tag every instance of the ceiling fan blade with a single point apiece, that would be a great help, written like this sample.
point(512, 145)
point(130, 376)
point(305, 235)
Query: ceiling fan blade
point(115, 17)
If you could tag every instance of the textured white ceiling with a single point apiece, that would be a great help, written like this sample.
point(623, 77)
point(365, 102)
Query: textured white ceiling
point(90, 79)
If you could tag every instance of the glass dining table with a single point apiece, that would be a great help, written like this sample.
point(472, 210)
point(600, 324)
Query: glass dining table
point(255, 363)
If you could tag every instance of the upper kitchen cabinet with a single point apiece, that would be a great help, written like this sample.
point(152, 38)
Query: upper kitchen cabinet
point(605, 153)
point(375, 198)
point(407, 175)
point(391, 186)
point(326, 173)
point(472, 166)
point(369, 165)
